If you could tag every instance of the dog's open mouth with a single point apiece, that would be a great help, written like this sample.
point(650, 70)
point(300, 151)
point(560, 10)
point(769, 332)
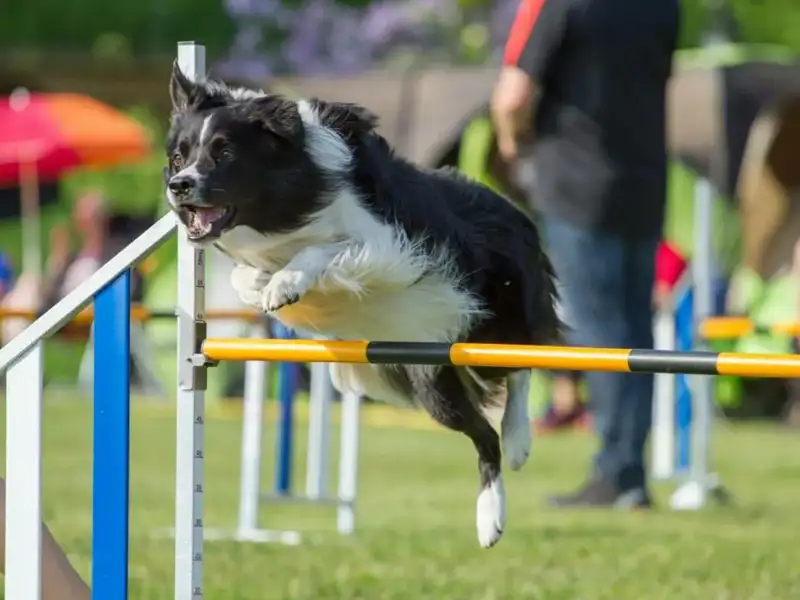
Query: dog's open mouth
point(205, 221)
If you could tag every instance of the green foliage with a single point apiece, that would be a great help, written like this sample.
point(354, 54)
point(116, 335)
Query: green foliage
point(123, 29)
point(775, 22)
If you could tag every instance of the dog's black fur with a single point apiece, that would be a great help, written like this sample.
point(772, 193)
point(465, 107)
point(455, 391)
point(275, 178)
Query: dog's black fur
point(257, 164)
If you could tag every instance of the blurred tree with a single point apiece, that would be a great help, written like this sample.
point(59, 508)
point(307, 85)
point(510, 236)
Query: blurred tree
point(259, 37)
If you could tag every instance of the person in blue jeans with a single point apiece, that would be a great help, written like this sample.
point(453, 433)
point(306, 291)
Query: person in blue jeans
point(582, 91)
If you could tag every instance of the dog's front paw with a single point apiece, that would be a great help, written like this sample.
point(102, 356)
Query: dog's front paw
point(284, 288)
point(249, 283)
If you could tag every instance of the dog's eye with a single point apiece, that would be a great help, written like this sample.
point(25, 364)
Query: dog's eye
point(177, 160)
point(220, 149)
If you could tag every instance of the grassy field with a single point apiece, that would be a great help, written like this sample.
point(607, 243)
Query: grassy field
point(415, 531)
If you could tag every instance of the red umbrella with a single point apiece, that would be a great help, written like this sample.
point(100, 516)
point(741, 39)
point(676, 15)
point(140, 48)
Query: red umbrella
point(57, 132)
point(44, 135)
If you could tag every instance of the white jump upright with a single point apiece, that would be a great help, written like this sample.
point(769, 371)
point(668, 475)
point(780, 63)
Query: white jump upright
point(673, 442)
point(348, 464)
point(23, 541)
point(319, 425)
point(190, 450)
point(662, 437)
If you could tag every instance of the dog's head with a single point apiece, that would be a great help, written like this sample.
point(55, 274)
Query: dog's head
point(242, 157)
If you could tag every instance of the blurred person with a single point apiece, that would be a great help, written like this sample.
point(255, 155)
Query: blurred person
point(68, 270)
point(584, 84)
point(60, 580)
point(64, 270)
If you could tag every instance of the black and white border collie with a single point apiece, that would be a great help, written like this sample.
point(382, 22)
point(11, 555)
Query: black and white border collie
point(334, 234)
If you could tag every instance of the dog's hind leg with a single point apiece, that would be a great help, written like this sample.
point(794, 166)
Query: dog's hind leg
point(444, 395)
point(516, 423)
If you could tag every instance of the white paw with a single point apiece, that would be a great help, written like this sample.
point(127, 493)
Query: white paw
point(516, 440)
point(491, 513)
point(284, 288)
point(249, 283)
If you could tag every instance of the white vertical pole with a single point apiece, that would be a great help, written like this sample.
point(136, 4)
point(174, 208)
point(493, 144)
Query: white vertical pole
point(702, 386)
point(191, 392)
point(662, 438)
point(255, 389)
point(319, 424)
point(23, 568)
point(348, 464)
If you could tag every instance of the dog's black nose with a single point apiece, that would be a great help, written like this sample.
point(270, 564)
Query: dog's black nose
point(181, 184)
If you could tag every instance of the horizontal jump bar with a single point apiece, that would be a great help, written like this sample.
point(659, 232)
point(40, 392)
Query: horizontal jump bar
point(141, 314)
point(500, 355)
point(729, 328)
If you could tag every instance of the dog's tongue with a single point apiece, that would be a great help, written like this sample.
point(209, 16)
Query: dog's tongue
point(206, 216)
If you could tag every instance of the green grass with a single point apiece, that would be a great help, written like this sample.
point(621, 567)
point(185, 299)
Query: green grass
point(415, 530)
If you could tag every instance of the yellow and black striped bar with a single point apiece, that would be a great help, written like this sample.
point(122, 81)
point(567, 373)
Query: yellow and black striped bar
point(500, 355)
point(731, 328)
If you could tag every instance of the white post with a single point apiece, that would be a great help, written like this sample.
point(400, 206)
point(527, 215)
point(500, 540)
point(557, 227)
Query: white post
point(702, 386)
point(693, 494)
point(662, 440)
point(319, 424)
point(23, 568)
point(348, 464)
point(255, 380)
point(191, 392)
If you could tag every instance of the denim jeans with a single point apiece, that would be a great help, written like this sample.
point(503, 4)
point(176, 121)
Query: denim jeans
point(606, 283)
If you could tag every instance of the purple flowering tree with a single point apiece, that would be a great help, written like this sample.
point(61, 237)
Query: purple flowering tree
point(313, 37)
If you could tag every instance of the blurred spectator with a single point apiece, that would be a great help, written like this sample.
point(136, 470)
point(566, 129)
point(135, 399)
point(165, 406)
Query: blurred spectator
point(68, 270)
point(65, 270)
point(586, 81)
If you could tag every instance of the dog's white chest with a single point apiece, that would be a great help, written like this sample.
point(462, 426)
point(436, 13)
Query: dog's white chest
point(247, 246)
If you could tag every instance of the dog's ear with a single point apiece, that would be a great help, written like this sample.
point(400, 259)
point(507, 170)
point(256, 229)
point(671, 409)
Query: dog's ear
point(277, 115)
point(202, 95)
point(181, 89)
point(348, 120)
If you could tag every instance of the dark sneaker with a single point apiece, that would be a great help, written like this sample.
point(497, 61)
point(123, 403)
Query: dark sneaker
point(601, 493)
